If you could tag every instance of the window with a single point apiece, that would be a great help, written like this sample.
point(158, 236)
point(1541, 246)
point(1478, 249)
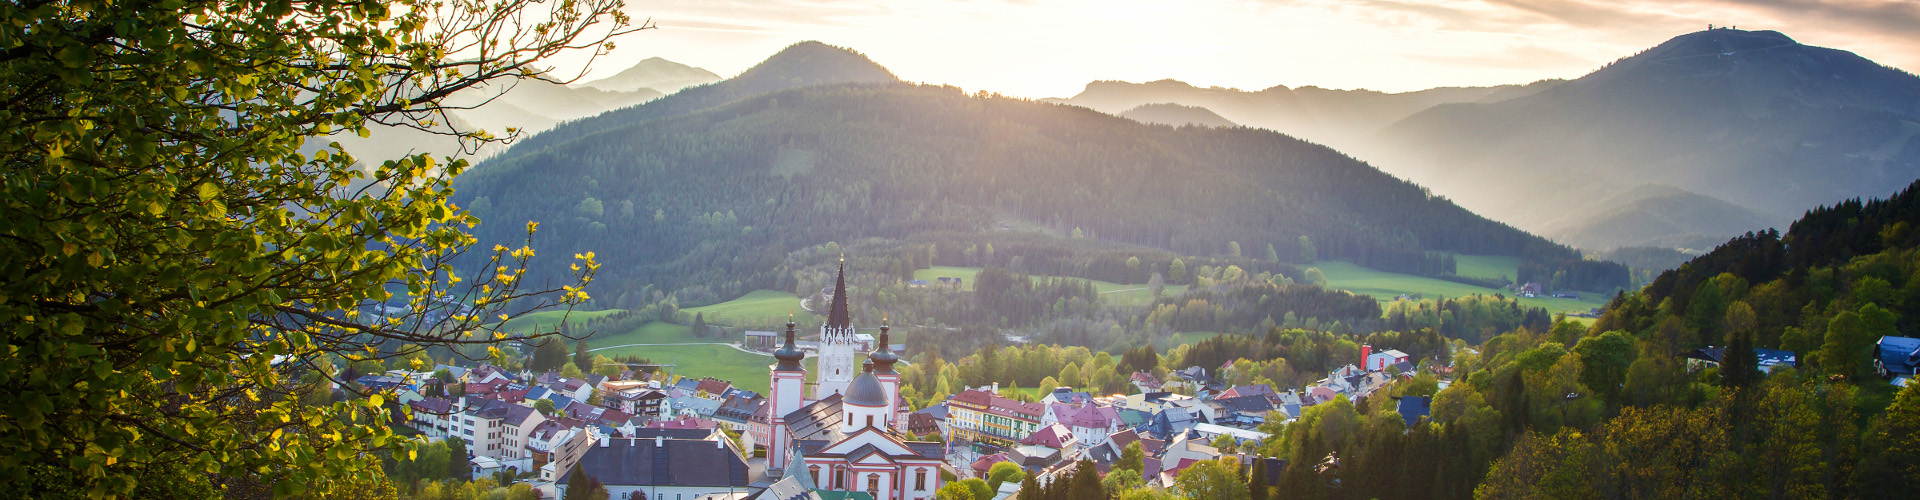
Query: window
point(839, 478)
point(813, 473)
point(873, 485)
point(920, 479)
point(869, 420)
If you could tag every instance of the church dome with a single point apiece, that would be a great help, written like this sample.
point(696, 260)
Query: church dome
point(865, 391)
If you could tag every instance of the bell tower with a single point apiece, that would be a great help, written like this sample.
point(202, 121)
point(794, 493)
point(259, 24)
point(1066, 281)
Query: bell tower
point(836, 365)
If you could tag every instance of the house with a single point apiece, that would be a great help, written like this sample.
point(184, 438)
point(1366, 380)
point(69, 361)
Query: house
point(688, 406)
point(916, 283)
point(1183, 452)
point(556, 447)
point(760, 340)
point(745, 415)
point(686, 422)
point(1089, 423)
point(928, 420)
point(1379, 361)
point(1054, 436)
point(1209, 432)
point(1413, 408)
point(976, 415)
point(1896, 356)
point(664, 468)
point(981, 465)
point(1066, 395)
point(712, 388)
point(1145, 381)
point(1774, 359)
point(1532, 289)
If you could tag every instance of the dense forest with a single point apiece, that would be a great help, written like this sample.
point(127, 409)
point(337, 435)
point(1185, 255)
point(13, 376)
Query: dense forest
point(715, 198)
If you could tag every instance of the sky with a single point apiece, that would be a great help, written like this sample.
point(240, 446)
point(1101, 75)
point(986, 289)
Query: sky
point(1053, 48)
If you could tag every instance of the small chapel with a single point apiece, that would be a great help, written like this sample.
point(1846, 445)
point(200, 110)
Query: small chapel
point(848, 434)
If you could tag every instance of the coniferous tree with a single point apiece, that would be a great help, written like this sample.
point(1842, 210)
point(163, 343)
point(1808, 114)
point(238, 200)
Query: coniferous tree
point(581, 359)
point(699, 325)
point(457, 464)
point(1086, 482)
point(1257, 484)
point(1029, 489)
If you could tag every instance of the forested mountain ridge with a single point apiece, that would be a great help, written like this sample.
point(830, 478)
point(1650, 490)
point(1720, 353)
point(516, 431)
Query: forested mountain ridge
point(1749, 117)
point(716, 198)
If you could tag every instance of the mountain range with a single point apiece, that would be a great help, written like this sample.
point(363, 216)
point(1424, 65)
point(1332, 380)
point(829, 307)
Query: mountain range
point(712, 186)
point(1683, 145)
point(1751, 124)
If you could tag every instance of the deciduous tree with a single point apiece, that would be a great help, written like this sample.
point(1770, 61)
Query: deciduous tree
point(183, 243)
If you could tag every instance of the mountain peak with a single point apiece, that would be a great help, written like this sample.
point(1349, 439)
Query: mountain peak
point(815, 63)
point(655, 73)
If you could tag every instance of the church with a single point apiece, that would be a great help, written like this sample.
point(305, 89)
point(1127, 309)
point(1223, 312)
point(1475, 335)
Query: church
point(848, 434)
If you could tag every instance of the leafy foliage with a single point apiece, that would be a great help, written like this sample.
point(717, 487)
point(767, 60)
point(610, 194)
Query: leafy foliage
point(187, 266)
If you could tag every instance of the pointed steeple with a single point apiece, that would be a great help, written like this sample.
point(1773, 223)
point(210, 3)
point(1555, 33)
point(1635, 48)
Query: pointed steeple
point(883, 356)
point(789, 354)
point(837, 315)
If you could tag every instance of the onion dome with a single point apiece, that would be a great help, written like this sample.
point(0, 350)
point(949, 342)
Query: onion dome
point(789, 355)
point(865, 391)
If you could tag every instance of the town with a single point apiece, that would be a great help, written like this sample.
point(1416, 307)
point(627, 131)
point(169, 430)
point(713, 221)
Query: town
point(838, 427)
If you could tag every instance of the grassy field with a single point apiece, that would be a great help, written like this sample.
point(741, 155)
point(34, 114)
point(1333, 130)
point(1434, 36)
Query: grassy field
point(933, 274)
point(760, 307)
point(1384, 286)
point(749, 371)
point(654, 332)
point(1115, 293)
point(1487, 266)
point(1185, 338)
point(546, 319)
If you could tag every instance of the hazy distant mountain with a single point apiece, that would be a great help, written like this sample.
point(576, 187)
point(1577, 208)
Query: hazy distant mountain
point(799, 65)
point(713, 186)
point(1340, 118)
point(656, 74)
point(1651, 216)
point(1749, 117)
point(1175, 115)
point(535, 105)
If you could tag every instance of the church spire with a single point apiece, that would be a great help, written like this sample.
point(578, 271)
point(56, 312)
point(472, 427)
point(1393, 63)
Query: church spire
point(837, 315)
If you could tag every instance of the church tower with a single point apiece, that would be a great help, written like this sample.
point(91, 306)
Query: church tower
point(785, 393)
point(836, 365)
point(883, 359)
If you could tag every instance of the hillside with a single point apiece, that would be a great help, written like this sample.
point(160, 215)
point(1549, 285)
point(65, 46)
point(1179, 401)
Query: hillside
point(1652, 216)
point(656, 74)
point(1175, 115)
point(1751, 118)
point(1340, 118)
point(675, 194)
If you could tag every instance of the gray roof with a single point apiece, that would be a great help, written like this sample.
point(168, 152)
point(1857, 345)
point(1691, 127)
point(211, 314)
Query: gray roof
point(866, 391)
point(818, 420)
point(676, 462)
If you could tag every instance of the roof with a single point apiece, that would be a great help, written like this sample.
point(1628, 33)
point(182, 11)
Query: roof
point(1248, 390)
point(837, 315)
point(1052, 436)
point(1414, 407)
point(866, 391)
point(667, 462)
point(1246, 404)
point(995, 404)
point(817, 420)
point(1770, 357)
point(1898, 354)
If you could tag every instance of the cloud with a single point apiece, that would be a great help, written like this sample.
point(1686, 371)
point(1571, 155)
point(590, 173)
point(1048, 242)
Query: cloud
point(1522, 57)
point(1580, 13)
point(1896, 18)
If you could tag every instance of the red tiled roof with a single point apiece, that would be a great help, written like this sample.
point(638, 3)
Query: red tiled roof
point(993, 403)
point(1052, 436)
